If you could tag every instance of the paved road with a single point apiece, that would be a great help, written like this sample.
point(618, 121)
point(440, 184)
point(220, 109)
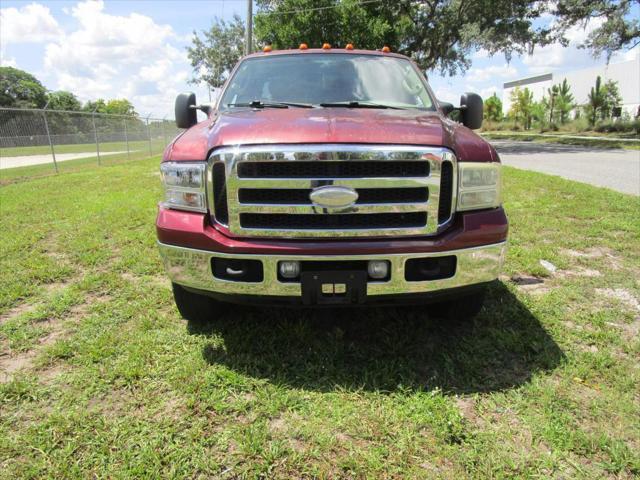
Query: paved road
point(25, 160)
point(615, 169)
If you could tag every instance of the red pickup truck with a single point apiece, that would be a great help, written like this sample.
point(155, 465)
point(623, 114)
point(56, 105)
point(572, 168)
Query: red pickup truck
point(327, 177)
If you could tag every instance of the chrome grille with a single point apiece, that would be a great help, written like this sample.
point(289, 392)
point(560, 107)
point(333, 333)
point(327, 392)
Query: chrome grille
point(402, 190)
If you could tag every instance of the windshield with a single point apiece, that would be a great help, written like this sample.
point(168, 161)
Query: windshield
point(327, 78)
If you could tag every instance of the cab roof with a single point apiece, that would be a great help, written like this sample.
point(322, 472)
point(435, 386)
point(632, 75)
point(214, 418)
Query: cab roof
point(310, 51)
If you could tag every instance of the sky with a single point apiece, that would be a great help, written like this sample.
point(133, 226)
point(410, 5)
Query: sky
point(137, 50)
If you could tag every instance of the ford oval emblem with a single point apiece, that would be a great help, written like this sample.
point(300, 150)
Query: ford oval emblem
point(332, 196)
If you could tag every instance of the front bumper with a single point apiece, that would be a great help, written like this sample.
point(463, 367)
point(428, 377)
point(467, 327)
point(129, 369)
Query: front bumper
point(193, 268)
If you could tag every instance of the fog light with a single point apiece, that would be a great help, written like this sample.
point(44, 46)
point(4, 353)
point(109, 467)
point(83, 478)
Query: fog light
point(378, 269)
point(289, 269)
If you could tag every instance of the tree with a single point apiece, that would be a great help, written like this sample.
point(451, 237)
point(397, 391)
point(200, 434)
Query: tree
point(214, 56)
point(115, 107)
point(565, 101)
point(620, 28)
point(62, 100)
point(119, 107)
point(95, 106)
point(611, 99)
point(20, 89)
point(493, 108)
point(596, 100)
point(436, 34)
point(550, 103)
point(538, 112)
point(521, 106)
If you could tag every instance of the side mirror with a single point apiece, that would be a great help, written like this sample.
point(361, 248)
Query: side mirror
point(186, 113)
point(471, 110)
point(446, 107)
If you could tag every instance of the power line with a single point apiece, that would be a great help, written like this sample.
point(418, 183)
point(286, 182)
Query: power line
point(303, 10)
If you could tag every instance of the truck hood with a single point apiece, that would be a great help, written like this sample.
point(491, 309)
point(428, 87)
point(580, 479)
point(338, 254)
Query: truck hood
point(327, 125)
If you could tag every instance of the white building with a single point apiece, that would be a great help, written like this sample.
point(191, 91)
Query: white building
point(627, 74)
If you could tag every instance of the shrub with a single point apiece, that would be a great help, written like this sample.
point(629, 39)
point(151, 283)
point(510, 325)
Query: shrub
point(619, 126)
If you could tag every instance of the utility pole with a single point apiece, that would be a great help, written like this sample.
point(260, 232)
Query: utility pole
point(249, 31)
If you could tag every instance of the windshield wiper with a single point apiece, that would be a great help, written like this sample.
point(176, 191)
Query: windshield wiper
point(261, 104)
point(359, 105)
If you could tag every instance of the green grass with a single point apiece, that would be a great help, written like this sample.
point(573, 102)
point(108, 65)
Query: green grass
point(99, 376)
point(142, 145)
point(598, 141)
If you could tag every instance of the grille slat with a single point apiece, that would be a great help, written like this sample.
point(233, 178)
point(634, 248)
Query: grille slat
point(220, 208)
point(333, 221)
point(330, 169)
point(446, 192)
point(299, 196)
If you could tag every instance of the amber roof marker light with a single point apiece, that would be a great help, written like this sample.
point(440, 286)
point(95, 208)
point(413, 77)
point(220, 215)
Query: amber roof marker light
point(326, 46)
point(386, 49)
point(349, 46)
point(303, 46)
point(267, 48)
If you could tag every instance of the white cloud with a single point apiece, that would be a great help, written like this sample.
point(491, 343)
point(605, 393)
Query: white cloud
point(6, 61)
point(32, 23)
point(489, 91)
point(629, 55)
point(480, 54)
point(111, 56)
point(447, 94)
point(492, 72)
point(556, 56)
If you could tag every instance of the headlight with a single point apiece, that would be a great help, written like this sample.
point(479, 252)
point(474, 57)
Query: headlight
point(479, 185)
point(184, 185)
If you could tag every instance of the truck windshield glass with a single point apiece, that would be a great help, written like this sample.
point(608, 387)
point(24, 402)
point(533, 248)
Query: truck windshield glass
point(327, 78)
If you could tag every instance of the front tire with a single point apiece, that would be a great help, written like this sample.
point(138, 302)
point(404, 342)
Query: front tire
point(192, 306)
point(461, 309)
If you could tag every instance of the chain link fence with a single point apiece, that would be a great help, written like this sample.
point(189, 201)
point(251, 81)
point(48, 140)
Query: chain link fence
point(40, 142)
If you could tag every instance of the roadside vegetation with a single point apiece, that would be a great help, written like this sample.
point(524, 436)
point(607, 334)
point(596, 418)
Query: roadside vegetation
point(99, 377)
point(558, 119)
point(558, 113)
point(585, 140)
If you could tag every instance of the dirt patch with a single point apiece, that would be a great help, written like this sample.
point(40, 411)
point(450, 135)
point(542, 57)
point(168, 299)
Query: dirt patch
point(613, 260)
point(277, 424)
point(281, 423)
point(343, 437)
point(161, 281)
point(630, 330)
point(173, 408)
point(119, 403)
point(78, 312)
point(622, 295)
point(579, 272)
point(130, 277)
point(574, 326)
point(155, 280)
point(297, 445)
point(529, 284)
point(15, 312)
point(588, 348)
point(591, 252)
point(467, 407)
point(11, 364)
point(49, 374)
point(114, 404)
point(55, 286)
